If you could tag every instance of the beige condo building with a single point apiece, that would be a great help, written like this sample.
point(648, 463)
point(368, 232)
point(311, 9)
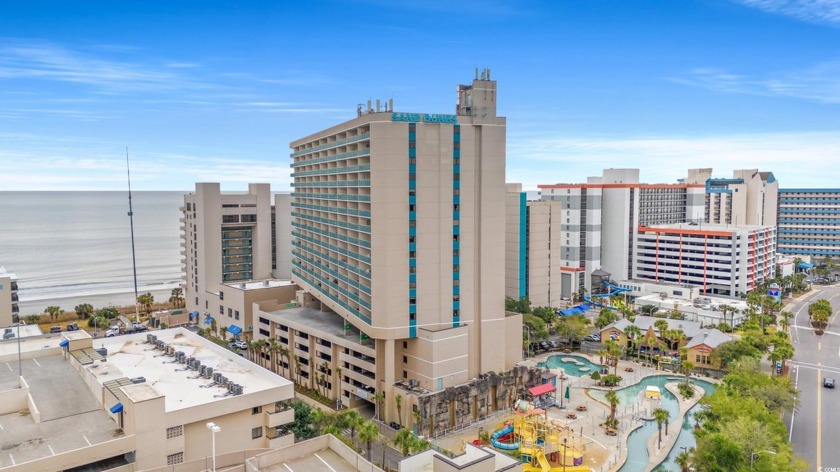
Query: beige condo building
point(236, 249)
point(398, 230)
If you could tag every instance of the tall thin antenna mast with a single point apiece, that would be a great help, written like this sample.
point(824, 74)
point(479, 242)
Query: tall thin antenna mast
point(133, 255)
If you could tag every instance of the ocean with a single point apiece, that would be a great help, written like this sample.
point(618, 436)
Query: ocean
point(68, 248)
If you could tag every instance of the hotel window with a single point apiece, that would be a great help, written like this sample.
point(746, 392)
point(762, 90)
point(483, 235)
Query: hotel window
point(236, 314)
point(221, 310)
point(257, 432)
point(221, 295)
point(256, 410)
point(176, 458)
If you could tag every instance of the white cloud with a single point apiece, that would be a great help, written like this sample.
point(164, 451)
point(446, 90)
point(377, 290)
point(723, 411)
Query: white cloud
point(819, 11)
point(49, 62)
point(819, 83)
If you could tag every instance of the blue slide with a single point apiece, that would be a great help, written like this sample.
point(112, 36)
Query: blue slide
point(615, 291)
point(494, 439)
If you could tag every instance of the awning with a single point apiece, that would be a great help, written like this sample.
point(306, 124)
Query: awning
point(542, 389)
point(805, 265)
point(208, 320)
point(568, 312)
point(194, 314)
point(584, 307)
point(118, 408)
point(64, 343)
point(234, 330)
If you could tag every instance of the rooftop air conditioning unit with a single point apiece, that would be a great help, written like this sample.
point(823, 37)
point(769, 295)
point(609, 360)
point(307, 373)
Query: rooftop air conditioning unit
point(188, 360)
point(413, 383)
point(151, 338)
point(208, 372)
point(238, 390)
point(202, 370)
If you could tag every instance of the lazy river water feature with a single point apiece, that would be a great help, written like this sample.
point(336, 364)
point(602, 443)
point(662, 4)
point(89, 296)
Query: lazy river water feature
point(686, 438)
point(637, 453)
point(575, 366)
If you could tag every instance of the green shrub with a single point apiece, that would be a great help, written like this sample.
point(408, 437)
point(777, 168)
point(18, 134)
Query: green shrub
point(595, 376)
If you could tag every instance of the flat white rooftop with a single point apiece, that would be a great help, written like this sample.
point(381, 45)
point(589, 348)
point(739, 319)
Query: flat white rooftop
point(708, 227)
point(26, 331)
point(258, 284)
point(131, 356)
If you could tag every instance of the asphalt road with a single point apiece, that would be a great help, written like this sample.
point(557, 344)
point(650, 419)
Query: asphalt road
point(815, 424)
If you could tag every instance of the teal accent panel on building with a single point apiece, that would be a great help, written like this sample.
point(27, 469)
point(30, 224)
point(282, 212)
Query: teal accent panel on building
point(523, 242)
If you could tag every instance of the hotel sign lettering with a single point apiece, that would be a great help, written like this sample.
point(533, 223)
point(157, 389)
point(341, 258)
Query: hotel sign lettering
point(424, 118)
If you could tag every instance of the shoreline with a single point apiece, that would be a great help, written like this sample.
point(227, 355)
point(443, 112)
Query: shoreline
point(102, 300)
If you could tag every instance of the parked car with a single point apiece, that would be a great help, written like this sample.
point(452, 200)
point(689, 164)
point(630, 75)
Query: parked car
point(593, 337)
point(55, 329)
point(73, 327)
point(544, 345)
point(394, 425)
point(238, 345)
point(828, 382)
point(554, 344)
point(112, 332)
point(8, 333)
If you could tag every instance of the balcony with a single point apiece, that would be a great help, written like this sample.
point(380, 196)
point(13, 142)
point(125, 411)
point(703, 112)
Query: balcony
point(281, 415)
point(280, 437)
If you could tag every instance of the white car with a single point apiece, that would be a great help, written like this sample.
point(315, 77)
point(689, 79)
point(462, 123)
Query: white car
point(238, 345)
point(111, 333)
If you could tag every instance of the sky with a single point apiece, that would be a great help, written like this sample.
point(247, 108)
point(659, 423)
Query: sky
point(214, 91)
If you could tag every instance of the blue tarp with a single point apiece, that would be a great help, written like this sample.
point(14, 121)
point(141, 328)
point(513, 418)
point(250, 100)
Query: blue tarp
point(805, 265)
point(118, 408)
point(64, 343)
point(193, 314)
point(234, 330)
point(584, 307)
point(567, 312)
point(208, 320)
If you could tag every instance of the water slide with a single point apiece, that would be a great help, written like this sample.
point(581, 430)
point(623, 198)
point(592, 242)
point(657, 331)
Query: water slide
point(494, 439)
point(615, 291)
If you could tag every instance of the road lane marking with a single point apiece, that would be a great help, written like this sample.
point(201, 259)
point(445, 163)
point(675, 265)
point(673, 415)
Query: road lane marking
point(36, 361)
point(86, 440)
point(819, 419)
point(325, 462)
point(50, 448)
point(287, 467)
point(10, 370)
point(13, 459)
point(793, 410)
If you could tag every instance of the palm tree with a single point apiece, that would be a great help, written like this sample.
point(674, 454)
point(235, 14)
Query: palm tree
point(283, 352)
point(684, 460)
point(661, 416)
point(405, 441)
point(602, 354)
point(614, 352)
point(224, 333)
point(634, 333)
point(368, 432)
point(146, 301)
point(54, 312)
point(613, 400)
point(398, 400)
point(84, 310)
point(378, 400)
point(274, 353)
point(177, 297)
point(687, 367)
point(297, 369)
point(352, 420)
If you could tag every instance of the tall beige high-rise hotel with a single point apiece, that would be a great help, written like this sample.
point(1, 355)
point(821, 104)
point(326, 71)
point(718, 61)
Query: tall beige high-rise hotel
point(398, 227)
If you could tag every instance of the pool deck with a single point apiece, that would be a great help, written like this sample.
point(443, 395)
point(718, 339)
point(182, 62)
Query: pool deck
point(597, 411)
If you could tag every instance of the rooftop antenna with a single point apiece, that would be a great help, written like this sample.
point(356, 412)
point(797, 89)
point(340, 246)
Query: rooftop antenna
point(133, 255)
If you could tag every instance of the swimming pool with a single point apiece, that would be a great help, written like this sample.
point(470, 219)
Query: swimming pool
point(575, 366)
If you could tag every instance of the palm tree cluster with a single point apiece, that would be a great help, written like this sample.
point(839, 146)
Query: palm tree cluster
point(348, 425)
point(820, 312)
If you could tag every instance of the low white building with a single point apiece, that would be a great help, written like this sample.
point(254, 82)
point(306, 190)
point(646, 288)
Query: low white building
point(141, 401)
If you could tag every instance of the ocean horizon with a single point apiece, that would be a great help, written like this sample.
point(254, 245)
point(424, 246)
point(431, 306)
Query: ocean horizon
point(72, 247)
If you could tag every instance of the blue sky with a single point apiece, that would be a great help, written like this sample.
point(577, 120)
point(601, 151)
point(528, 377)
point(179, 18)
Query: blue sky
point(215, 91)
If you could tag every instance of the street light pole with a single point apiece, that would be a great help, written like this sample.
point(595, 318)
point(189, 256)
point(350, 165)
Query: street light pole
point(20, 363)
point(213, 430)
